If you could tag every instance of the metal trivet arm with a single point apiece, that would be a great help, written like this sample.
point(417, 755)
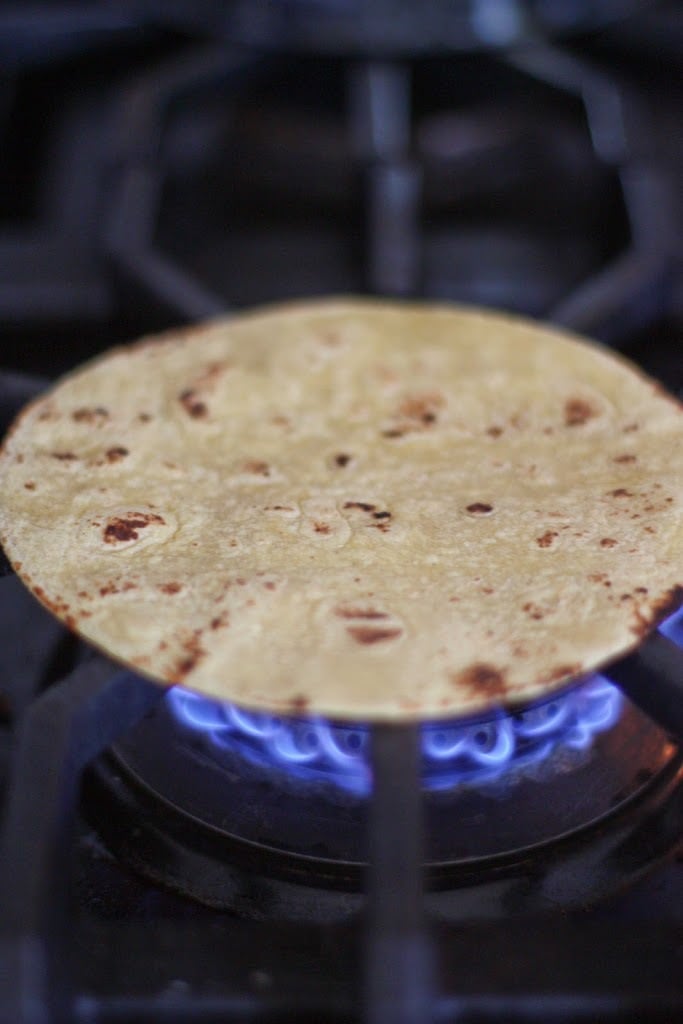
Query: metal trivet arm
point(138, 179)
point(64, 730)
point(652, 678)
point(399, 975)
point(636, 284)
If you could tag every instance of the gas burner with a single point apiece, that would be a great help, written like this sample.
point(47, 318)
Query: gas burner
point(200, 791)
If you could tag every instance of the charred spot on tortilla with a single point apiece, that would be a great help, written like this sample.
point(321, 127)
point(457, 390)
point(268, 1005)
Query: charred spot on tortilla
point(373, 634)
point(116, 453)
point(125, 528)
point(578, 411)
point(192, 404)
point(191, 653)
point(257, 467)
point(173, 587)
point(482, 679)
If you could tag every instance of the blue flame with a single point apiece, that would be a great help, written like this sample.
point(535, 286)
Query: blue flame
point(453, 753)
point(673, 627)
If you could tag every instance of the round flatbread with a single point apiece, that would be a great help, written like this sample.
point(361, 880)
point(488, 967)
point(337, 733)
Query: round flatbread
point(360, 509)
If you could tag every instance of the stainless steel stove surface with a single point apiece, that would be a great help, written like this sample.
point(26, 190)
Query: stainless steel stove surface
point(168, 858)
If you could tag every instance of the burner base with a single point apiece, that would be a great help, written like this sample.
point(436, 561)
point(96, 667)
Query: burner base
point(174, 850)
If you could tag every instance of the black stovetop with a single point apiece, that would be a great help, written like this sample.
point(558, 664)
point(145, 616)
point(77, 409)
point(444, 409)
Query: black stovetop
point(156, 169)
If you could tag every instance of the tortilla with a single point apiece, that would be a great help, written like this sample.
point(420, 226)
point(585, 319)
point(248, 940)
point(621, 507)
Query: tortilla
point(360, 509)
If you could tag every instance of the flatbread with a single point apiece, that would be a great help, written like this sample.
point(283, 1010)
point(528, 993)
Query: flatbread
point(360, 509)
